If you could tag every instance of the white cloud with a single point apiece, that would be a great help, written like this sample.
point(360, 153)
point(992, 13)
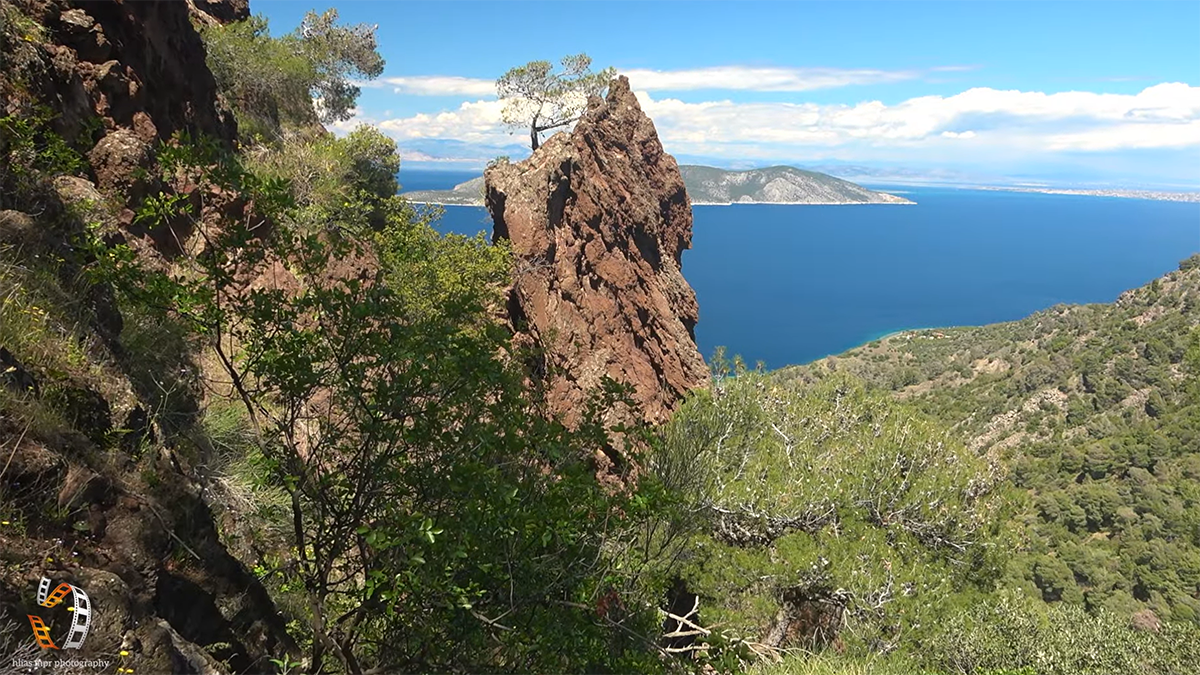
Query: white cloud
point(977, 123)
point(1162, 116)
point(473, 121)
point(1130, 136)
point(748, 78)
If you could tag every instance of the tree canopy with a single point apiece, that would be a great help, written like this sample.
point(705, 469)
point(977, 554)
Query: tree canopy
point(542, 100)
point(301, 79)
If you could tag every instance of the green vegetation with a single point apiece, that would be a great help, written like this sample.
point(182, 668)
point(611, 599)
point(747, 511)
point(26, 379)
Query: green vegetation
point(436, 518)
point(1060, 639)
point(271, 82)
point(863, 521)
point(540, 99)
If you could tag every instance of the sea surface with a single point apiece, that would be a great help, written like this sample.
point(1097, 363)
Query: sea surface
point(788, 284)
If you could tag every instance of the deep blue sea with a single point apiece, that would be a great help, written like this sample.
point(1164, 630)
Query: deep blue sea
point(790, 284)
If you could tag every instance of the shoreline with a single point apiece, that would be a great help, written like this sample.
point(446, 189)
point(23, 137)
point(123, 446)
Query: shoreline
point(894, 333)
point(903, 203)
point(1112, 193)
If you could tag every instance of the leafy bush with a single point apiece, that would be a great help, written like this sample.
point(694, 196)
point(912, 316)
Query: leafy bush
point(334, 180)
point(30, 154)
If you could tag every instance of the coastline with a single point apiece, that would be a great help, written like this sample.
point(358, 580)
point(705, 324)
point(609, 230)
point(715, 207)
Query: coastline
point(881, 337)
point(477, 206)
point(906, 202)
point(903, 203)
point(1115, 193)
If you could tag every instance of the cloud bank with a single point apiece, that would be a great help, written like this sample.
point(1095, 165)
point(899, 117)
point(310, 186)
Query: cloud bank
point(732, 78)
point(743, 78)
point(978, 120)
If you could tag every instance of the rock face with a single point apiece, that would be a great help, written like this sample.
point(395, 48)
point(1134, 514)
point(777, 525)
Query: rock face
point(598, 220)
point(135, 65)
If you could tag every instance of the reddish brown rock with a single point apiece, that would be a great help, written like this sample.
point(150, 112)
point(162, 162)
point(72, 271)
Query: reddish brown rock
point(122, 162)
point(114, 60)
point(220, 11)
point(598, 220)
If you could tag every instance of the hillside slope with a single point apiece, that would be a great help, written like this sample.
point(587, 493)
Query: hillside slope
point(469, 193)
point(776, 185)
point(100, 406)
point(1095, 409)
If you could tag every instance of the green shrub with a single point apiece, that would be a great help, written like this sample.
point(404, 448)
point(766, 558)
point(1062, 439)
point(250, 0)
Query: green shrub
point(828, 494)
point(334, 180)
point(272, 82)
point(30, 154)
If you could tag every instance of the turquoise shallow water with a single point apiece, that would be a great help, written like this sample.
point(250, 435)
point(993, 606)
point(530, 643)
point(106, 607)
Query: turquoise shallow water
point(789, 284)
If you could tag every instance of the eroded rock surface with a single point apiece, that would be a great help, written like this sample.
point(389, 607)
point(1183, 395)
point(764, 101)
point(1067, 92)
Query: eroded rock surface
point(135, 65)
point(598, 220)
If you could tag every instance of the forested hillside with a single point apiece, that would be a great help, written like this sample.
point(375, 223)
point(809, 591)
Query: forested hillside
point(1096, 411)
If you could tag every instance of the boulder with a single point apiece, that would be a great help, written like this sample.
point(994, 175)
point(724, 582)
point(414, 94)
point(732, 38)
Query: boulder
point(122, 163)
point(19, 230)
point(80, 32)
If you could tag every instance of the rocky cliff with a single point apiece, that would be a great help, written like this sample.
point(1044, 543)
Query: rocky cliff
point(98, 485)
point(132, 65)
point(598, 220)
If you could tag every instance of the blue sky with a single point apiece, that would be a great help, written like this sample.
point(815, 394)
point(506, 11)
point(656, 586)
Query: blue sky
point(1074, 90)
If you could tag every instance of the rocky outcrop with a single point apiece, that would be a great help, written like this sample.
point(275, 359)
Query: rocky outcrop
point(133, 65)
point(598, 220)
point(220, 11)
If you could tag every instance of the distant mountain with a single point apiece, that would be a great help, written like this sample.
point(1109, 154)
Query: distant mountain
point(469, 193)
point(776, 185)
point(710, 185)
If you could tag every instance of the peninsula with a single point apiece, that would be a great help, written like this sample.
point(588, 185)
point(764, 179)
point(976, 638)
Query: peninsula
point(709, 186)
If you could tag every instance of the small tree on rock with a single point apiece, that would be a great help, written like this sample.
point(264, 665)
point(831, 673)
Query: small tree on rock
point(542, 100)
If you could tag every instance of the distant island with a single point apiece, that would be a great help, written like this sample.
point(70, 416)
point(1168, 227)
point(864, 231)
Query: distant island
point(708, 186)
